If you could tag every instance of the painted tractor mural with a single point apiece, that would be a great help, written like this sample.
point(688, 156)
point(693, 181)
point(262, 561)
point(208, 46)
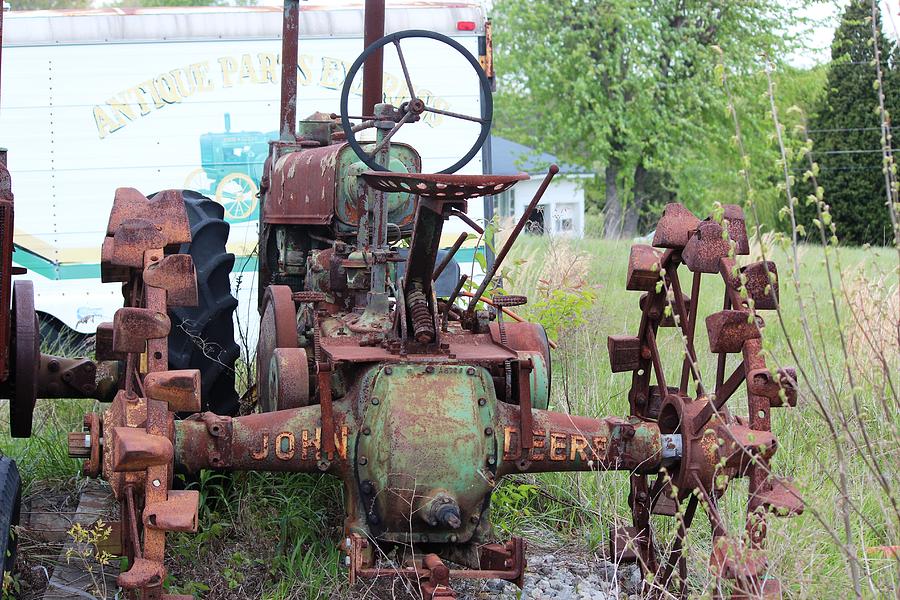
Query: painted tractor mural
point(231, 167)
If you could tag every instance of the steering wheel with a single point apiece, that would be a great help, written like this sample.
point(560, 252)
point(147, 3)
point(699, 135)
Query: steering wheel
point(410, 111)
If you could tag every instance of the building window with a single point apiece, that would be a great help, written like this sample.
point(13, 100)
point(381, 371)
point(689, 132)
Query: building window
point(506, 204)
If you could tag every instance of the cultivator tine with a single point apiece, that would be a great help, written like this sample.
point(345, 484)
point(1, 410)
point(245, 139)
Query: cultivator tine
point(675, 227)
point(135, 450)
point(782, 498)
point(177, 513)
point(729, 329)
point(143, 574)
point(176, 275)
point(705, 248)
point(733, 219)
point(133, 328)
point(179, 389)
point(624, 352)
point(644, 266)
point(779, 389)
point(103, 343)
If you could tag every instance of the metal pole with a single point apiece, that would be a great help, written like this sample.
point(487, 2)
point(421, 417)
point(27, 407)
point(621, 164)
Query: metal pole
point(290, 35)
point(492, 270)
point(485, 51)
point(373, 70)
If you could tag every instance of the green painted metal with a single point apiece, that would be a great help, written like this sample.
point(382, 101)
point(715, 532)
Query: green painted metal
point(540, 381)
point(427, 431)
point(401, 206)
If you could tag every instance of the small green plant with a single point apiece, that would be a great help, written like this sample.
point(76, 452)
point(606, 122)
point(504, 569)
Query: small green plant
point(12, 586)
point(512, 503)
point(86, 551)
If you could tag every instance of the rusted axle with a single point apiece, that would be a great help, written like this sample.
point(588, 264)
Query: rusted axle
point(291, 440)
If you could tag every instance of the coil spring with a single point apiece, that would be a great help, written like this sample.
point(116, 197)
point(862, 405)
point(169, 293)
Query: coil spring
point(423, 325)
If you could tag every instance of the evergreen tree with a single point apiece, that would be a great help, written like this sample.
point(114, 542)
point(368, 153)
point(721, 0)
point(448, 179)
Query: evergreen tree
point(846, 131)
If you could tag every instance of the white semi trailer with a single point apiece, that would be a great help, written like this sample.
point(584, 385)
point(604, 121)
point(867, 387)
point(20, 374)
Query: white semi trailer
point(188, 98)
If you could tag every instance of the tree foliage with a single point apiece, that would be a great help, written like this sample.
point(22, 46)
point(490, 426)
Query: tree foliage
point(627, 87)
point(846, 134)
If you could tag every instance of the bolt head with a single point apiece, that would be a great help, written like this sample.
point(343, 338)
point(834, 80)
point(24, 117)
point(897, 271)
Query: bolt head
point(470, 371)
point(363, 460)
point(482, 401)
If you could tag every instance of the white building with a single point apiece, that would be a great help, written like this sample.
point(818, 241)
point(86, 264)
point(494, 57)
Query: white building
point(561, 211)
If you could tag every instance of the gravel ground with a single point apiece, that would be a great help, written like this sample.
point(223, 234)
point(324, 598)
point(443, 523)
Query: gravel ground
point(554, 577)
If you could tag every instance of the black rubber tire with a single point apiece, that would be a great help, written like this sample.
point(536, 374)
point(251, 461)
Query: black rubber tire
point(10, 501)
point(202, 337)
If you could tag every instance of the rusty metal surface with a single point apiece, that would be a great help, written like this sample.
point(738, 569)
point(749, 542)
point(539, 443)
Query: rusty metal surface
point(705, 248)
point(60, 377)
point(26, 342)
point(470, 349)
point(289, 381)
point(302, 188)
point(174, 273)
point(165, 211)
point(716, 446)
point(134, 327)
point(178, 512)
point(103, 343)
point(373, 70)
point(290, 35)
point(6, 252)
point(729, 329)
point(675, 227)
point(179, 389)
point(643, 268)
point(562, 442)
point(288, 440)
point(442, 185)
point(277, 329)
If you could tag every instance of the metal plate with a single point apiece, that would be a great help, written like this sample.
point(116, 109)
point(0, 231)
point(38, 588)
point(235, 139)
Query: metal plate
point(441, 185)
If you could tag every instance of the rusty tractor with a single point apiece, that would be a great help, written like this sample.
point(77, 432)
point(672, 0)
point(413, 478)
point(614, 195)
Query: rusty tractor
point(420, 399)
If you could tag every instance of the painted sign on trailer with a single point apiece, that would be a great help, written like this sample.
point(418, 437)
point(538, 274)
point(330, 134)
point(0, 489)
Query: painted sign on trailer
point(188, 98)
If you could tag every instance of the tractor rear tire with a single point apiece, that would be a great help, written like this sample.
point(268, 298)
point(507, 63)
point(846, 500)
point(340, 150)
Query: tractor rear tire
point(10, 500)
point(202, 337)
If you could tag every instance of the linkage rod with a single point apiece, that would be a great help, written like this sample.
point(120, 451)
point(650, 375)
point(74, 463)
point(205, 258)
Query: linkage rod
point(513, 236)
